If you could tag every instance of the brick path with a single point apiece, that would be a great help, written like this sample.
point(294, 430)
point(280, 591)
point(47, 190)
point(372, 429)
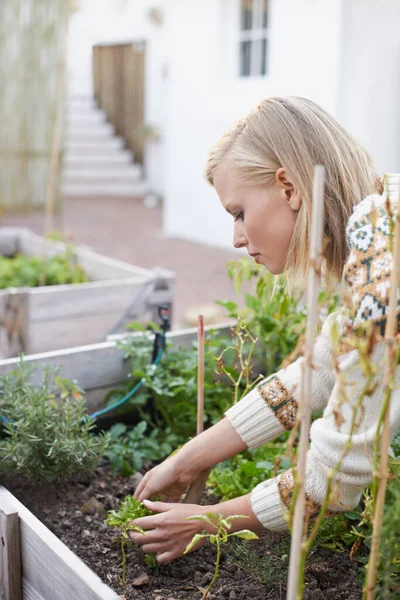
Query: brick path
point(123, 228)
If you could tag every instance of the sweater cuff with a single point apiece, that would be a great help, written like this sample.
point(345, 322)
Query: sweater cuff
point(254, 422)
point(268, 507)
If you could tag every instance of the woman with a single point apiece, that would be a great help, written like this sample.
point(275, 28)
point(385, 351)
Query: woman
point(262, 170)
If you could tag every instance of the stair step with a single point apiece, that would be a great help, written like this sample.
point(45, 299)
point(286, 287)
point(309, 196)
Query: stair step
point(87, 146)
point(77, 102)
point(98, 161)
point(87, 129)
point(90, 117)
point(98, 132)
point(124, 173)
point(138, 188)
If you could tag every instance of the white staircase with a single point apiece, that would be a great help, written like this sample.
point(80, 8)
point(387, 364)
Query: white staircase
point(96, 163)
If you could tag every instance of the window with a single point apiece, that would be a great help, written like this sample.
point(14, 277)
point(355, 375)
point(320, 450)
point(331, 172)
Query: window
point(253, 43)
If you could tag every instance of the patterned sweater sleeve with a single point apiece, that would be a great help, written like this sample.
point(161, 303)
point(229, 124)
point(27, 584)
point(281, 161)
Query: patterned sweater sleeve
point(367, 282)
point(271, 407)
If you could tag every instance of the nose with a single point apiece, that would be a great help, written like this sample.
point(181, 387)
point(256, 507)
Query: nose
point(239, 237)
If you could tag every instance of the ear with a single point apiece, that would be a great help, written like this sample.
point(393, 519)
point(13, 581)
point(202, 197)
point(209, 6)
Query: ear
point(284, 181)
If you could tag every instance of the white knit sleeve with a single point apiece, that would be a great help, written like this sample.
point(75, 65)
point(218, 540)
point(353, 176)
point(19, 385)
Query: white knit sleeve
point(271, 407)
point(329, 437)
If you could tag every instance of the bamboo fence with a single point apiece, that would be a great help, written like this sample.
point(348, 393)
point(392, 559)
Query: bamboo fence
point(32, 50)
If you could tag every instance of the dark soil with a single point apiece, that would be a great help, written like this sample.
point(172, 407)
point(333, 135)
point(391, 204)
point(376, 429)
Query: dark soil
point(255, 570)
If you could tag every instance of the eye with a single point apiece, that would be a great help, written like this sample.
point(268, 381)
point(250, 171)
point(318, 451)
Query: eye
point(239, 216)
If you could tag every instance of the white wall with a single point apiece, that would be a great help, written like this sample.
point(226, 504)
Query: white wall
point(206, 95)
point(343, 54)
point(369, 98)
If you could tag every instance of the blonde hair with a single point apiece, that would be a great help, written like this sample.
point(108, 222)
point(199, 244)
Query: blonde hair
point(295, 133)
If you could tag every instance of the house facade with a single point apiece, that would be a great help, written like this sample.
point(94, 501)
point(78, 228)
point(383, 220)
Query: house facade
point(209, 61)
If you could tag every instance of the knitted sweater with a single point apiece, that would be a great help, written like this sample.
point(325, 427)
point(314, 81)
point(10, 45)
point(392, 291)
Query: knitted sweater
point(271, 408)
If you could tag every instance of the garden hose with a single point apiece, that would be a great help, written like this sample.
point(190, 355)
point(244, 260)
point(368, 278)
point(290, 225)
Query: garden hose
point(158, 351)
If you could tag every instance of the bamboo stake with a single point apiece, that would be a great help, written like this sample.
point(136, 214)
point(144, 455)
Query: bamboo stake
point(56, 143)
point(390, 368)
point(194, 493)
point(200, 374)
point(294, 589)
point(57, 131)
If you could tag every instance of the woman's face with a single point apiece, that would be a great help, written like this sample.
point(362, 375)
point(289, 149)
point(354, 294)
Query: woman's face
point(264, 216)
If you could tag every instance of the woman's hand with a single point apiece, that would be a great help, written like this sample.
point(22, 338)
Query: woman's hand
point(170, 479)
point(168, 533)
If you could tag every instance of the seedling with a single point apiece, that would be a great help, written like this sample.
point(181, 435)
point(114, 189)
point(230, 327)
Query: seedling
point(221, 536)
point(130, 510)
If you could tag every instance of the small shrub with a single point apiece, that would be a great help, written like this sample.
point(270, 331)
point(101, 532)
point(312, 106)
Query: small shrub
point(48, 436)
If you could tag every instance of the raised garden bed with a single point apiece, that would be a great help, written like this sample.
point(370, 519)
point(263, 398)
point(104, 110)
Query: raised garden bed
point(75, 513)
point(97, 367)
point(40, 319)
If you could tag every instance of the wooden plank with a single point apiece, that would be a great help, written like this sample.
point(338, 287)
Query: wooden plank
point(97, 365)
point(14, 319)
point(49, 568)
point(9, 243)
point(29, 592)
point(64, 333)
point(66, 301)
point(10, 556)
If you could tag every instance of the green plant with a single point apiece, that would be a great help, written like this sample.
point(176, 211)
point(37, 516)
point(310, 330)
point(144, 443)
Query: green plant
point(240, 474)
point(168, 399)
point(270, 314)
point(46, 438)
point(270, 568)
point(221, 536)
point(167, 406)
point(130, 509)
point(33, 271)
point(129, 448)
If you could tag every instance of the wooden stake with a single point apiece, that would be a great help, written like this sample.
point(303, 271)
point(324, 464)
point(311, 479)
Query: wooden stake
point(305, 398)
point(56, 145)
point(10, 557)
point(390, 333)
point(200, 374)
point(196, 489)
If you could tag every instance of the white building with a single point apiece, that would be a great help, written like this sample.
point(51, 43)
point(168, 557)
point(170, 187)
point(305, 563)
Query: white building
point(343, 54)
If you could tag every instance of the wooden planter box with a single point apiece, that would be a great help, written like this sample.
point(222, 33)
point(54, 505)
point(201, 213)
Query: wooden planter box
point(36, 565)
point(39, 319)
point(50, 571)
point(97, 368)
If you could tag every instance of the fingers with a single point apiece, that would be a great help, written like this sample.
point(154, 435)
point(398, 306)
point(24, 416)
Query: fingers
point(146, 523)
point(139, 492)
point(158, 507)
point(167, 554)
point(171, 499)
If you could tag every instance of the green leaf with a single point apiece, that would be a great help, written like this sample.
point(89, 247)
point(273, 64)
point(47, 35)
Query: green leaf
point(194, 541)
point(198, 518)
point(245, 534)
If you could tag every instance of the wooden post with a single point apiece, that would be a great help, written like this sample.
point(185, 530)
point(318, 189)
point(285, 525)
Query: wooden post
point(200, 375)
point(305, 398)
point(57, 133)
point(196, 489)
point(10, 557)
